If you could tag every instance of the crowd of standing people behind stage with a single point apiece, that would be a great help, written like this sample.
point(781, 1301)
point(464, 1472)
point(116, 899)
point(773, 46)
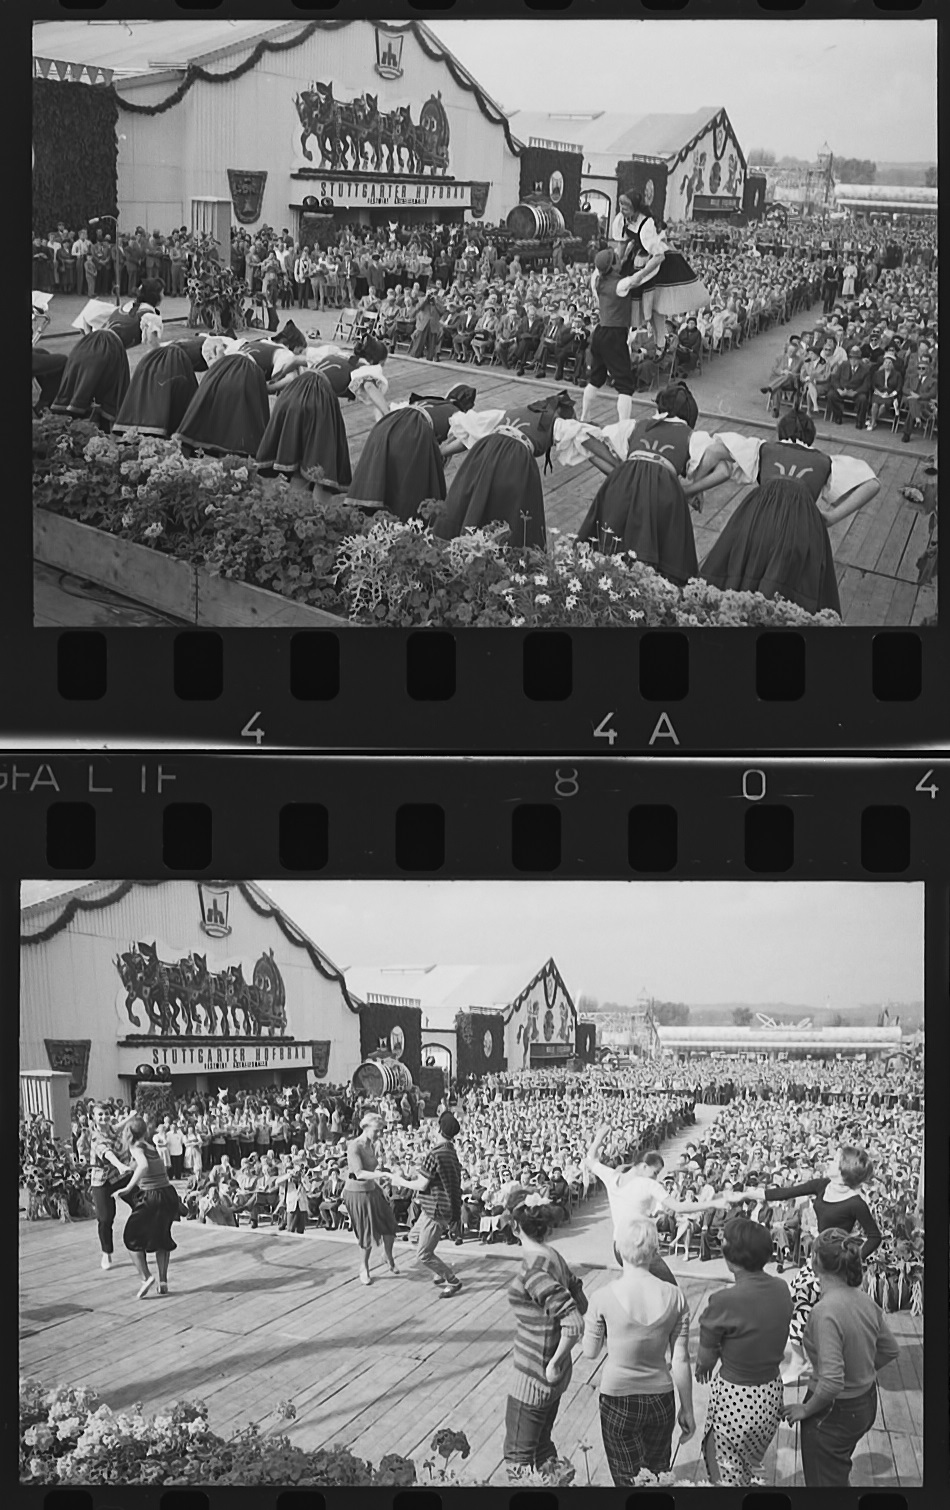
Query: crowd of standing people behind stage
point(457, 290)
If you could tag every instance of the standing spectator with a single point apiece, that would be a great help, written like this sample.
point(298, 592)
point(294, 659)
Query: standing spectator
point(295, 1184)
point(154, 249)
point(175, 1144)
point(80, 250)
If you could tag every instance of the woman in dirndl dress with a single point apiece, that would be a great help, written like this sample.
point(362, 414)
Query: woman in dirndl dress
point(229, 413)
point(400, 465)
point(499, 480)
point(95, 379)
point(306, 437)
point(163, 385)
point(645, 503)
point(148, 1229)
point(371, 1215)
point(674, 289)
point(777, 541)
point(745, 1329)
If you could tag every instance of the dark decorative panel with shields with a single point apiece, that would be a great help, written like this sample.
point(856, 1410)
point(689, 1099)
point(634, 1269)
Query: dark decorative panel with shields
point(391, 1031)
point(753, 198)
point(70, 1056)
point(480, 1037)
point(247, 194)
point(556, 175)
point(649, 179)
point(186, 997)
point(357, 136)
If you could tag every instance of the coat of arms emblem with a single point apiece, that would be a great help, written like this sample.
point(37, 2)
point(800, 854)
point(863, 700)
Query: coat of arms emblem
point(247, 194)
point(389, 54)
point(215, 911)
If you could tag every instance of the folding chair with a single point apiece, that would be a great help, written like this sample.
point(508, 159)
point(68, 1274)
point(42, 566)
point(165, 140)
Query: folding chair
point(345, 325)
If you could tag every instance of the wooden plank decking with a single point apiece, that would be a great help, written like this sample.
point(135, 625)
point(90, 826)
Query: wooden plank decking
point(256, 1318)
point(876, 549)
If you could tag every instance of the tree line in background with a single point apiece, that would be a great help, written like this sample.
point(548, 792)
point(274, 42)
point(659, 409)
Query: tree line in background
point(854, 170)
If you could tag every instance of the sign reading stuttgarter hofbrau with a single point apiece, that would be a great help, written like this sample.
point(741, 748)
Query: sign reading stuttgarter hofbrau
point(350, 193)
point(185, 1059)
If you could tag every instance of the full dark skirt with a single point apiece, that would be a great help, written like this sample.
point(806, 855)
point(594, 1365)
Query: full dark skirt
point(149, 1227)
point(676, 288)
point(642, 507)
point(497, 482)
point(306, 435)
point(48, 368)
point(777, 543)
point(229, 413)
point(96, 373)
point(371, 1214)
point(400, 465)
point(163, 385)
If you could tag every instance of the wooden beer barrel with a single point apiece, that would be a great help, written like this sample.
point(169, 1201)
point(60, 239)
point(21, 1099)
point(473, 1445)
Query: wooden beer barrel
point(382, 1077)
point(535, 221)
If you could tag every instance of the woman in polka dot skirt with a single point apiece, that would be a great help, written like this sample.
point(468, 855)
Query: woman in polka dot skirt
point(744, 1329)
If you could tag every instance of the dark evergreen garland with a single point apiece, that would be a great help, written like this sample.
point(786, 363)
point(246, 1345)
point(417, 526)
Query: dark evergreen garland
point(300, 943)
point(78, 904)
point(75, 175)
point(195, 72)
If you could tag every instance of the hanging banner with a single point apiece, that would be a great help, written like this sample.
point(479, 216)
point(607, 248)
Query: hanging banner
point(223, 1058)
point(368, 193)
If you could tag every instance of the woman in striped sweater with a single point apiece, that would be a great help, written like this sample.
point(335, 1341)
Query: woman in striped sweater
point(549, 1304)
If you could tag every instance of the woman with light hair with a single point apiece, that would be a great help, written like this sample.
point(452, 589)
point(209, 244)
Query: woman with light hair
point(644, 1324)
point(371, 1215)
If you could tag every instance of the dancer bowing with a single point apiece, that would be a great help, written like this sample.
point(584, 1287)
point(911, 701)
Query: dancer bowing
point(499, 479)
point(354, 374)
point(644, 504)
point(305, 438)
point(163, 385)
point(777, 541)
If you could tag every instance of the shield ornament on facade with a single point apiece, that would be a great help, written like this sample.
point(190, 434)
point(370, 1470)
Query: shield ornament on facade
point(556, 187)
point(479, 199)
point(389, 54)
point(397, 1042)
point(215, 910)
point(321, 1058)
point(247, 194)
point(70, 1056)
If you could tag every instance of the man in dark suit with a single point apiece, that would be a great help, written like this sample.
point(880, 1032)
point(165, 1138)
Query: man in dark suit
point(554, 329)
point(851, 382)
point(920, 396)
point(527, 343)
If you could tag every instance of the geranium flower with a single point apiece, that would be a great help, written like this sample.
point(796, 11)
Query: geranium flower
point(543, 597)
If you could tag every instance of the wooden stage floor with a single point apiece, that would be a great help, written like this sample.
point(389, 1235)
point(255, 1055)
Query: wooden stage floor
point(876, 549)
point(256, 1318)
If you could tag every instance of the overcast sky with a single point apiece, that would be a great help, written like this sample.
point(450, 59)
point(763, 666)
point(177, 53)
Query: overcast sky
point(679, 941)
point(868, 88)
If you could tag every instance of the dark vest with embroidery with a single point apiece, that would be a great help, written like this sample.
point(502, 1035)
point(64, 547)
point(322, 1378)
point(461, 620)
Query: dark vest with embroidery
point(666, 438)
point(782, 461)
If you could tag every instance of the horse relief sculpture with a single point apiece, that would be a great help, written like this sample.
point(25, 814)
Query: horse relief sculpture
point(356, 136)
point(185, 998)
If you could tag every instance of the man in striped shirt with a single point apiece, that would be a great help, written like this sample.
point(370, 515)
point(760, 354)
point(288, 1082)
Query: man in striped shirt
point(439, 1184)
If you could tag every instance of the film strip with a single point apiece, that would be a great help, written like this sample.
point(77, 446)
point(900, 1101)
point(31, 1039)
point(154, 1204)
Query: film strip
point(243, 1312)
point(304, 677)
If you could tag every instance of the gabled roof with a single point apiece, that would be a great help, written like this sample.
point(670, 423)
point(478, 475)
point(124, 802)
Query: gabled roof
point(615, 134)
point(142, 47)
point(444, 990)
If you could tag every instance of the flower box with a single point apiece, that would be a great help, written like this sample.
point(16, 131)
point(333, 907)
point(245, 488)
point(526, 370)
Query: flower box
point(186, 592)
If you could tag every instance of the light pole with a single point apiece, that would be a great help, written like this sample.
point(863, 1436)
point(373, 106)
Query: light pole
point(96, 219)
